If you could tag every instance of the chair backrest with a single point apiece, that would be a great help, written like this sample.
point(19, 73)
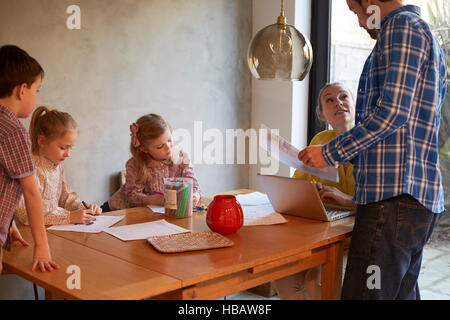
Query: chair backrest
point(122, 177)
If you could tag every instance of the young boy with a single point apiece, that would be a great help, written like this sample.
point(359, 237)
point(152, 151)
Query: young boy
point(20, 79)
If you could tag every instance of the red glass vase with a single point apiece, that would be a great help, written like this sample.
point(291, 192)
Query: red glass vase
point(225, 215)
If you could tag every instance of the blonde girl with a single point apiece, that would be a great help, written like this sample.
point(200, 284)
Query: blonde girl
point(53, 134)
point(154, 157)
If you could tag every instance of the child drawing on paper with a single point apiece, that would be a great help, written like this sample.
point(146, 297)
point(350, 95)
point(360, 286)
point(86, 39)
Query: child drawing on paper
point(154, 157)
point(53, 135)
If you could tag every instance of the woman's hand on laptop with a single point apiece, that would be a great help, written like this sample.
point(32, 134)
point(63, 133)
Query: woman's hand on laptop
point(334, 195)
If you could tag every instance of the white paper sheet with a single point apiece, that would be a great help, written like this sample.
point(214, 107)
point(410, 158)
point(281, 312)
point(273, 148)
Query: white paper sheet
point(253, 199)
point(288, 154)
point(145, 230)
point(157, 209)
point(261, 215)
point(100, 223)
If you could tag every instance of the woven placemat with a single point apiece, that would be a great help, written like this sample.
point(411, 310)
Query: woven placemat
point(189, 242)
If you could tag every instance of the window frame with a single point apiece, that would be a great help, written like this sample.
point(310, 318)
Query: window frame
point(320, 70)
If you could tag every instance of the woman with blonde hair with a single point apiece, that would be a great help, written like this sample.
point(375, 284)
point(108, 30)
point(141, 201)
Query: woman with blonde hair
point(336, 106)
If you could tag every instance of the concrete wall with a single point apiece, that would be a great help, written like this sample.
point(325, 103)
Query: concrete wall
point(185, 60)
point(182, 59)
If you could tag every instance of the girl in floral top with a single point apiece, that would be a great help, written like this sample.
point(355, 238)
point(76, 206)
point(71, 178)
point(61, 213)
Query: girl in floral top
point(53, 134)
point(154, 157)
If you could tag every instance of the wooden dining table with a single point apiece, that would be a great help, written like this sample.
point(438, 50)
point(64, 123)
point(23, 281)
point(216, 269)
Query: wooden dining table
point(114, 269)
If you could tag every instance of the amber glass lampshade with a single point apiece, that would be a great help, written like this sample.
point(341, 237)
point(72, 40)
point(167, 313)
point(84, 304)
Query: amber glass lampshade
point(280, 52)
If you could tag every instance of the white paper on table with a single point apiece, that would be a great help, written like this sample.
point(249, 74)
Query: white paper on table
point(100, 223)
point(157, 209)
point(261, 215)
point(288, 154)
point(145, 230)
point(252, 199)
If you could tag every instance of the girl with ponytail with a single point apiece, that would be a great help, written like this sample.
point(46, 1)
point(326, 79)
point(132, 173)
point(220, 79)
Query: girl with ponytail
point(53, 135)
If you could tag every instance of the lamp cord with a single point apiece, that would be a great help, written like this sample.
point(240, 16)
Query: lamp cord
point(281, 19)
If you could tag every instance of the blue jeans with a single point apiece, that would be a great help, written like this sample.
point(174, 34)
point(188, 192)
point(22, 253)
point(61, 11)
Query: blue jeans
point(386, 249)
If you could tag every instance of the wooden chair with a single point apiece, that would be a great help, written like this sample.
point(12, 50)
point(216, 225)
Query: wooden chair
point(122, 177)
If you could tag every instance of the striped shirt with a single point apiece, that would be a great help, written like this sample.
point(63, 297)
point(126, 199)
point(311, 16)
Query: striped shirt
point(394, 145)
point(16, 162)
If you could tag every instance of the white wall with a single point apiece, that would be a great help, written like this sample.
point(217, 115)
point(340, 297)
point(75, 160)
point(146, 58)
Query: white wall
point(281, 105)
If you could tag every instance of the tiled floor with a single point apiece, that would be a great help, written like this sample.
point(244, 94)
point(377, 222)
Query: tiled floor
point(434, 279)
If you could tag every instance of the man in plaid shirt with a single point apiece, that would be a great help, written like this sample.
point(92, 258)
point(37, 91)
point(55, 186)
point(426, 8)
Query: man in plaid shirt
point(20, 79)
point(394, 150)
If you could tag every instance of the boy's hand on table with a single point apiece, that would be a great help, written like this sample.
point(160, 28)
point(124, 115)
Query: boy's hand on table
point(14, 235)
point(42, 260)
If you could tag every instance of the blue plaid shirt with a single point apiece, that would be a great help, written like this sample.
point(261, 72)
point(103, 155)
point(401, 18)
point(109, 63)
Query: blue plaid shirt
point(394, 144)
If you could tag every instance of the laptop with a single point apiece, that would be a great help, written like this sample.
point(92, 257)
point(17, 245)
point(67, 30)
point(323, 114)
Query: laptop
point(300, 198)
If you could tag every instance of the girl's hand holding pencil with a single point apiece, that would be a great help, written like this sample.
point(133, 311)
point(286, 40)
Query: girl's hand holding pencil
point(85, 216)
point(96, 210)
point(81, 216)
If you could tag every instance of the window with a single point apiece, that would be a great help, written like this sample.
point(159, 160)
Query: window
point(350, 46)
point(319, 75)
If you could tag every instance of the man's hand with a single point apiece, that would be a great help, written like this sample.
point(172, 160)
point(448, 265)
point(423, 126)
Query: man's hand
point(312, 156)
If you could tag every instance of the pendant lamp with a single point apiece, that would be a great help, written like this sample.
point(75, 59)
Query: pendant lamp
point(280, 52)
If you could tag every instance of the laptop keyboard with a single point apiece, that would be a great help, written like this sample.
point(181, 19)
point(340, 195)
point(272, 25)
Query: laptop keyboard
point(334, 214)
